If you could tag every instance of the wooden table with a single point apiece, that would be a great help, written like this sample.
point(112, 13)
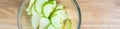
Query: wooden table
point(96, 14)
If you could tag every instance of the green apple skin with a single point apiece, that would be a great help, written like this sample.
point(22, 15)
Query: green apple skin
point(48, 8)
point(39, 4)
point(67, 24)
point(41, 10)
point(35, 18)
point(58, 18)
point(29, 7)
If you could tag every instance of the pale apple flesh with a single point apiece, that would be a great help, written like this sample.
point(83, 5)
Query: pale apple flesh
point(47, 14)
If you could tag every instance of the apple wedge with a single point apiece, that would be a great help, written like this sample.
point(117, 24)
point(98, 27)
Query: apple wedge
point(48, 8)
point(44, 22)
point(29, 7)
point(39, 4)
point(58, 18)
point(59, 7)
point(35, 18)
point(67, 24)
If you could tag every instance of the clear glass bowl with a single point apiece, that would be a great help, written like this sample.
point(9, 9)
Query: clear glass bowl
point(71, 7)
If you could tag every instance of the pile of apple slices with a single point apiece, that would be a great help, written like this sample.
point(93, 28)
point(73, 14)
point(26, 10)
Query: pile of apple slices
point(47, 14)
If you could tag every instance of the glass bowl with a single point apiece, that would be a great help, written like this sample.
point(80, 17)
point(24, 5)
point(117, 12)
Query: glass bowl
point(71, 7)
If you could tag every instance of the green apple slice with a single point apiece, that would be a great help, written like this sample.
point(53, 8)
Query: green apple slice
point(68, 24)
point(59, 7)
point(48, 7)
point(58, 18)
point(29, 8)
point(35, 18)
point(46, 15)
point(39, 4)
point(44, 22)
point(35, 21)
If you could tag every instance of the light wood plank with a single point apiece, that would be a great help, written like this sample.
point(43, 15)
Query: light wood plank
point(96, 14)
point(100, 14)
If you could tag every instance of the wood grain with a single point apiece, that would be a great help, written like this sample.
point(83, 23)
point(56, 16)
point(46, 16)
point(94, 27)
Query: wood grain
point(100, 14)
point(96, 14)
point(8, 13)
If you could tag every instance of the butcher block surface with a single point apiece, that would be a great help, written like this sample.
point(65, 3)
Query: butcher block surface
point(96, 14)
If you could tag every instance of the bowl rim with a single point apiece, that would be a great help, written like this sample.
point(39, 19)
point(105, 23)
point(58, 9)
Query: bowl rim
point(18, 15)
point(79, 13)
point(24, 1)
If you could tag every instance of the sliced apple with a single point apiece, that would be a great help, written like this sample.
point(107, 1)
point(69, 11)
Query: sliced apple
point(68, 24)
point(39, 4)
point(48, 7)
point(44, 22)
point(35, 18)
point(35, 21)
point(59, 7)
point(58, 18)
point(41, 10)
point(29, 8)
